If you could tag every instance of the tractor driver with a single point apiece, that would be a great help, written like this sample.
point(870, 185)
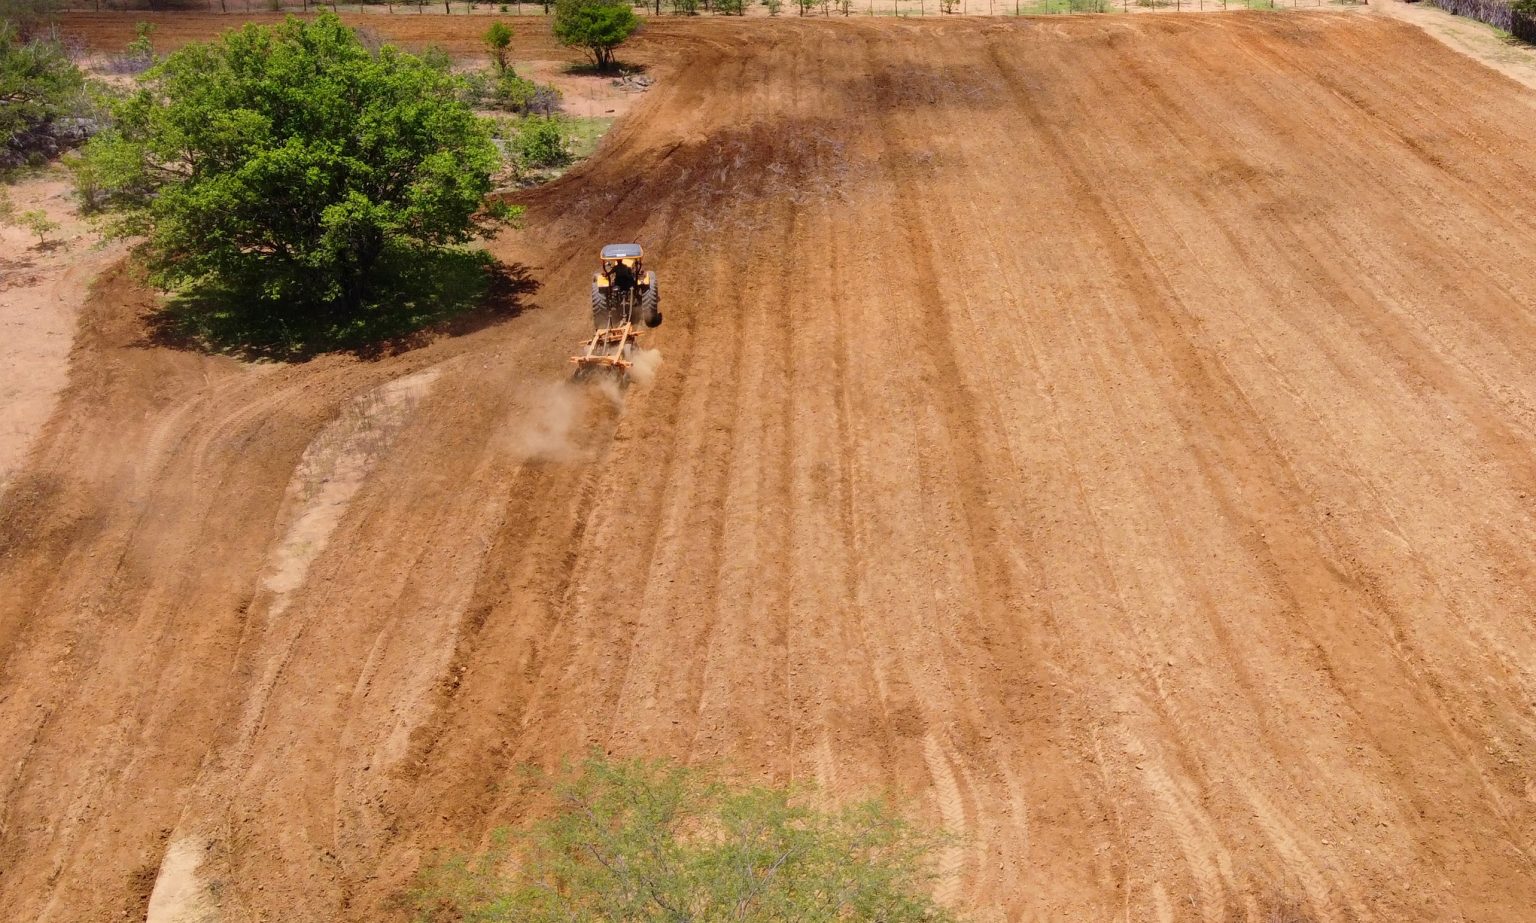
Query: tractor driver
point(622, 276)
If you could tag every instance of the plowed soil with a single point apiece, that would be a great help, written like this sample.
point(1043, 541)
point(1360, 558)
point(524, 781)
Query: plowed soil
point(1112, 436)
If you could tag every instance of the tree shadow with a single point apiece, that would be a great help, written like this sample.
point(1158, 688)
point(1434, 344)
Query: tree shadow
point(447, 293)
point(619, 69)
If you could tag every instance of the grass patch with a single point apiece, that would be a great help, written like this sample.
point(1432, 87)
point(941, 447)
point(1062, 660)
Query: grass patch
point(654, 840)
point(447, 291)
point(586, 132)
point(1512, 39)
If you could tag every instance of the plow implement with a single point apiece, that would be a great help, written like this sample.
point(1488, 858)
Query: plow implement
point(610, 347)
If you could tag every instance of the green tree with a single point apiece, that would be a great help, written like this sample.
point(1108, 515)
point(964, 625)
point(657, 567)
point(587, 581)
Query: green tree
point(497, 39)
point(290, 161)
point(655, 841)
point(38, 86)
point(596, 26)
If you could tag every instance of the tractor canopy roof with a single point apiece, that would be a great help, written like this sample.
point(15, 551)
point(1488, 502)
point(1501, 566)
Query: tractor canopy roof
point(621, 252)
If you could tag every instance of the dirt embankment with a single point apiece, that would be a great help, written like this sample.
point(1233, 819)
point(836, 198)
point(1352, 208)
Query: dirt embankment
point(1113, 435)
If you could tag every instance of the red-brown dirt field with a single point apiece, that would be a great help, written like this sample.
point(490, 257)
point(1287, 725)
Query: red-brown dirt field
point(1113, 437)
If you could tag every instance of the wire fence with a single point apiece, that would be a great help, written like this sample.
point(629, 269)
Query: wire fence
point(790, 9)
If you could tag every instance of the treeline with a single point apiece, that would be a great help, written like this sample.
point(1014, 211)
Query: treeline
point(296, 6)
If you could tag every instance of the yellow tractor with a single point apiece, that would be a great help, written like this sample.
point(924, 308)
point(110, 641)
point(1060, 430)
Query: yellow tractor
point(623, 290)
point(624, 293)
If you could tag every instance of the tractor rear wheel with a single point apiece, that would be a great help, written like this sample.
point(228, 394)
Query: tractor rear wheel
point(599, 309)
point(650, 305)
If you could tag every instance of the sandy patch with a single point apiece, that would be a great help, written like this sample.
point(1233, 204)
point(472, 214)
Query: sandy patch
point(330, 473)
point(41, 290)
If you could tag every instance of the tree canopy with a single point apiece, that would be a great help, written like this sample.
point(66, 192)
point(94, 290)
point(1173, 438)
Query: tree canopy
point(596, 26)
point(640, 841)
point(290, 160)
point(39, 85)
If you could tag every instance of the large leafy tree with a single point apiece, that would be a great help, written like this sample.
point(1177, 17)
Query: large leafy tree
point(657, 842)
point(596, 26)
point(292, 159)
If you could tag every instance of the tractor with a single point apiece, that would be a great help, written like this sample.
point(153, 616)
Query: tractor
point(623, 290)
point(624, 293)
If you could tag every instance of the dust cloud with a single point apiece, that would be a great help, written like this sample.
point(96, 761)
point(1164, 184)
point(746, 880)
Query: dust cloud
point(545, 433)
point(547, 429)
point(647, 361)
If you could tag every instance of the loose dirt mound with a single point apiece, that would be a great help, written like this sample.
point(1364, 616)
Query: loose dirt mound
point(1115, 435)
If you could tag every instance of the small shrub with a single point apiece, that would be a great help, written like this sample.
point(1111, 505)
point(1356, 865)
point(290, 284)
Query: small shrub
point(685, 7)
point(497, 39)
point(509, 92)
point(514, 93)
point(731, 7)
point(38, 223)
point(143, 44)
point(541, 141)
point(139, 56)
point(774, 6)
point(655, 841)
